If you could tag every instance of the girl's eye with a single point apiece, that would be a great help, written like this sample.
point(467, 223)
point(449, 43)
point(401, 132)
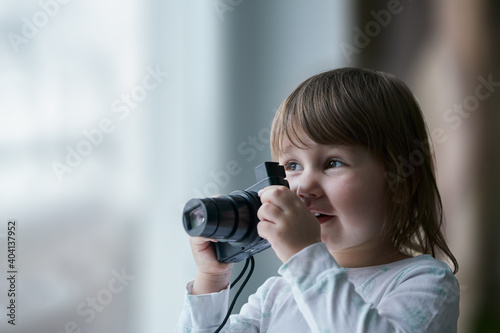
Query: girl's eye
point(334, 164)
point(292, 166)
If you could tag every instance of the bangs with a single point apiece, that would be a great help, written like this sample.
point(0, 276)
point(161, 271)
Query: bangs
point(324, 111)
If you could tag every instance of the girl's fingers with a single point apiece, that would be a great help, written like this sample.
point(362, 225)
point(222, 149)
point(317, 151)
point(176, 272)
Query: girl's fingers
point(269, 212)
point(280, 196)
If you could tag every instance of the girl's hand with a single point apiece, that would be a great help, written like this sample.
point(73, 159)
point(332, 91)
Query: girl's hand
point(212, 275)
point(286, 222)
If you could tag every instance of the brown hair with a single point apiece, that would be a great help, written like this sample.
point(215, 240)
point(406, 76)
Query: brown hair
point(352, 106)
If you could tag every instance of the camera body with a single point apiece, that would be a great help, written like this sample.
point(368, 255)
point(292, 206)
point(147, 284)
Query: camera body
point(232, 219)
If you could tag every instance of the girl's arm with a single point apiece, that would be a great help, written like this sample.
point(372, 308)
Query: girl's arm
point(204, 313)
point(206, 299)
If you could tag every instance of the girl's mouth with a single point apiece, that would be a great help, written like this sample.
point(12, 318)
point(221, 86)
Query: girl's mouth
point(322, 218)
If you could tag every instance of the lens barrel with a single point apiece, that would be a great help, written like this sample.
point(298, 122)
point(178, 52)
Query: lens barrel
point(228, 218)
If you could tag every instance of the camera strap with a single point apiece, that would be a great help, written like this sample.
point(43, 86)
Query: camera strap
point(250, 260)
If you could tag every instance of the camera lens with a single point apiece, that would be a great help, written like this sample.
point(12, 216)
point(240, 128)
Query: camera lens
point(229, 218)
point(196, 217)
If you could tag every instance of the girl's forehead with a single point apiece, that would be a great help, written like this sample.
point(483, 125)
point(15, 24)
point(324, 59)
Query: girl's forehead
point(307, 143)
point(298, 139)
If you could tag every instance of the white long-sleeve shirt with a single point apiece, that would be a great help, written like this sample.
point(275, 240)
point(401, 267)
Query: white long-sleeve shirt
point(314, 294)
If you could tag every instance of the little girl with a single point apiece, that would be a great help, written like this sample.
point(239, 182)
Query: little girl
point(358, 230)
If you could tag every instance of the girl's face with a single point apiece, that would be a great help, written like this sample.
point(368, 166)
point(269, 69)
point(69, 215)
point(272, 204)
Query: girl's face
point(345, 187)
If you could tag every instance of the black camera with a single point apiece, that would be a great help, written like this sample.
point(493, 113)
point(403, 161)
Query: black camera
point(232, 219)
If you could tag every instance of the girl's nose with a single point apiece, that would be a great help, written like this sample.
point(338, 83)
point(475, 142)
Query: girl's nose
point(308, 187)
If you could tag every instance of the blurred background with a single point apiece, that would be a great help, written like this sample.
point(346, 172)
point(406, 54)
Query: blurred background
point(114, 113)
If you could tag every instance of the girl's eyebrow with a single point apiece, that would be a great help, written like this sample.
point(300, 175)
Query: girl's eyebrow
point(285, 150)
point(282, 155)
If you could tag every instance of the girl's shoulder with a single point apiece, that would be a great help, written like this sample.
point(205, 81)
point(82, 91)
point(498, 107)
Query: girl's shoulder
point(426, 268)
point(420, 262)
point(422, 269)
point(420, 275)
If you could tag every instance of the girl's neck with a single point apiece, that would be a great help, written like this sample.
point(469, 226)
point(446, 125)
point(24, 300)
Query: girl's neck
point(364, 256)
